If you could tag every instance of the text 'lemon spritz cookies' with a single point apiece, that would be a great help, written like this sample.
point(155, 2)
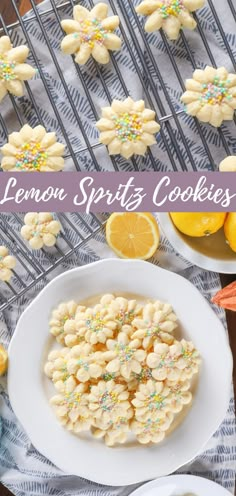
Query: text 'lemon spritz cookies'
point(120, 371)
point(13, 70)
point(32, 150)
point(7, 262)
point(40, 229)
point(170, 15)
point(91, 33)
point(211, 95)
point(127, 127)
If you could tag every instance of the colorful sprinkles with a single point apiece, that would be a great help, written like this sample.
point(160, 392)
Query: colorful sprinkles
point(128, 126)
point(91, 32)
point(31, 156)
point(214, 93)
point(171, 8)
point(7, 69)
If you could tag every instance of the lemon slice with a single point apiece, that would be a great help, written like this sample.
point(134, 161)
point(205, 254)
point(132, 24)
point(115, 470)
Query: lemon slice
point(133, 234)
point(3, 360)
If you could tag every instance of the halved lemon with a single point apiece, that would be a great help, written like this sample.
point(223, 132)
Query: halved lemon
point(3, 360)
point(133, 234)
point(198, 224)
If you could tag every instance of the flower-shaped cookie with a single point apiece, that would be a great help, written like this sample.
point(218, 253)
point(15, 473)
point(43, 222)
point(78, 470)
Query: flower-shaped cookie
point(156, 323)
point(108, 402)
point(91, 33)
point(179, 361)
point(211, 95)
point(61, 314)
point(56, 367)
point(32, 150)
point(7, 262)
point(71, 408)
point(116, 433)
point(40, 229)
point(180, 395)
point(13, 70)
point(170, 15)
point(123, 311)
point(84, 363)
point(127, 127)
point(152, 431)
point(94, 325)
point(152, 400)
point(124, 356)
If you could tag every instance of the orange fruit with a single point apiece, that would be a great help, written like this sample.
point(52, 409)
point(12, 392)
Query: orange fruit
point(3, 360)
point(197, 224)
point(133, 234)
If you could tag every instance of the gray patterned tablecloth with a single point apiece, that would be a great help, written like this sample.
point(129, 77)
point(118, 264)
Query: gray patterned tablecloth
point(25, 471)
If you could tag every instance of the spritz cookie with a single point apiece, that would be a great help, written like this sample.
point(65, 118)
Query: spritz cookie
point(180, 361)
point(71, 408)
point(170, 15)
point(94, 325)
point(32, 150)
point(152, 431)
point(124, 356)
point(60, 315)
point(7, 263)
point(91, 33)
point(152, 400)
point(40, 229)
point(180, 394)
point(108, 402)
point(127, 127)
point(211, 95)
point(157, 323)
point(56, 367)
point(85, 363)
point(13, 70)
point(116, 433)
point(228, 164)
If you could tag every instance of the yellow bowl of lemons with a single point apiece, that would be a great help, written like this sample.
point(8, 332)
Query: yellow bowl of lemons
point(205, 239)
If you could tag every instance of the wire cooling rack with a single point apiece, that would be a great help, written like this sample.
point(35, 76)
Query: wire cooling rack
point(74, 114)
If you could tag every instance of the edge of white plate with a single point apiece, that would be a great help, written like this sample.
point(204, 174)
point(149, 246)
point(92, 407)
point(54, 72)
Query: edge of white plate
point(178, 479)
point(106, 476)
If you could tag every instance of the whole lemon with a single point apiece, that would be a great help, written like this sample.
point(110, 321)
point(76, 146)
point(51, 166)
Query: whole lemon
point(198, 224)
point(230, 230)
point(3, 360)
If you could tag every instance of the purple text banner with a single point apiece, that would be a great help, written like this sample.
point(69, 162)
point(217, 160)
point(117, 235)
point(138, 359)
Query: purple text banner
point(118, 191)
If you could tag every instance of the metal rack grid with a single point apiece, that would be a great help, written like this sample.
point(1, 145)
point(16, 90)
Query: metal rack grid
point(84, 152)
point(34, 266)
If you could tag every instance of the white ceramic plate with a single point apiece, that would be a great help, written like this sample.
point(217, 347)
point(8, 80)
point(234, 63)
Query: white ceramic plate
point(90, 458)
point(181, 485)
point(208, 252)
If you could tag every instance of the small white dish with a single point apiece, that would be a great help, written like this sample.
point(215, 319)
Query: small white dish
point(85, 456)
point(208, 252)
point(181, 485)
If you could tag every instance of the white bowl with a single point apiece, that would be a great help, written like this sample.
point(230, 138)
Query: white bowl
point(181, 485)
point(88, 457)
point(208, 252)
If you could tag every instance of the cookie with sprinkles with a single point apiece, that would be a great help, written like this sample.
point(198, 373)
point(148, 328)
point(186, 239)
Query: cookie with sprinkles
point(170, 15)
point(13, 69)
point(91, 33)
point(127, 128)
point(211, 95)
point(40, 229)
point(7, 263)
point(32, 150)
